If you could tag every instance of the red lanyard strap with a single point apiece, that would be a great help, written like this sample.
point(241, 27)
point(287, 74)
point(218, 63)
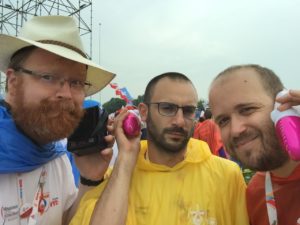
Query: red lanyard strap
point(27, 210)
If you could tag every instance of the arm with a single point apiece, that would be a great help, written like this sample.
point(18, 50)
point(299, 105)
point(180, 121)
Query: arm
point(112, 205)
point(92, 167)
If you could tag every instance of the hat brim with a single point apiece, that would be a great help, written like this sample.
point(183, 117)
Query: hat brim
point(96, 75)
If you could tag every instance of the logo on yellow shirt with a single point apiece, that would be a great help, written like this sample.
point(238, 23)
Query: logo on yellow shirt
point(201, 217)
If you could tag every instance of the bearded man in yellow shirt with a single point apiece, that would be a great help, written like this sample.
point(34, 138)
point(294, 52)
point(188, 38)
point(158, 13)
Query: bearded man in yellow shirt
point(170, 178)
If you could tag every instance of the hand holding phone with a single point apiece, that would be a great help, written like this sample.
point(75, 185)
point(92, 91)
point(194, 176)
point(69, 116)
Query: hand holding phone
point(287, 125)
point(89, 136)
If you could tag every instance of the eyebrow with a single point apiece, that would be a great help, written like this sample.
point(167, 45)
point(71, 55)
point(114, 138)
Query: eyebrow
point(242, 105)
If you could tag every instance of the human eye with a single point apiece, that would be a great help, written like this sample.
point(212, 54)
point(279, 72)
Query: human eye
point(221, 122)
point(189, 110)
point(247, 110)
point(167, 108)
point(48, 77)
point(77, 83)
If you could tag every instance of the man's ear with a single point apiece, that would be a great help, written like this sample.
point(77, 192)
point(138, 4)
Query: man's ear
point(11, 81)
point(143, 110)
point(10, 77)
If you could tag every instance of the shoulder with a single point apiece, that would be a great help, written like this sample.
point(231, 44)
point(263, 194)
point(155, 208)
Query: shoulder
point(225, 165)
point(257, 182)
point(208, 163)
point(60, 169)
point(60, 161)
point(226, 170)
point(198, 151)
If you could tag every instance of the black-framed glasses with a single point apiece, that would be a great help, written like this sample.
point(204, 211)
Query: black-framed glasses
point(56, 80)
point(171, 109)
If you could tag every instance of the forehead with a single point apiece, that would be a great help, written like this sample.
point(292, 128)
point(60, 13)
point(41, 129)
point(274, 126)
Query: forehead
point(239, 87)
point(176, 91)
point(42, 57)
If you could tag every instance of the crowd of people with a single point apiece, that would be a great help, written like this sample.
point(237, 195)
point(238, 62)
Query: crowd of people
point(207, 130)
point(178, 173)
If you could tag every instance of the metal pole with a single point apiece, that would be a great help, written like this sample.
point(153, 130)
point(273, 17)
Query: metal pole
point(99, 56)
point(99, 42)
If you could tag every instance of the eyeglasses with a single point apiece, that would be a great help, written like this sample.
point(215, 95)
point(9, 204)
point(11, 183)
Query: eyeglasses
point(57, 81)
point(170, 109)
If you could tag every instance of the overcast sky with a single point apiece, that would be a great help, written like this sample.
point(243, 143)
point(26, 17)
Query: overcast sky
point(140, 39)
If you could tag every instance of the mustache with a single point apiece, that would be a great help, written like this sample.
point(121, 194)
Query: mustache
point(176, 129)
point(61, 105)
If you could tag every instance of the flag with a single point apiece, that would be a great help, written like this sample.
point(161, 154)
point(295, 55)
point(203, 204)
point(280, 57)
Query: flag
point(125, 92)
point(113, 85)
point(118, 92)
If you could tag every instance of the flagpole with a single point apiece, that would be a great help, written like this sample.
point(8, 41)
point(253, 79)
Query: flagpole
point(99, 56)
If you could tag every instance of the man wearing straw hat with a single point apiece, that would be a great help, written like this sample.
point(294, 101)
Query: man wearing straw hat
point(48, 77)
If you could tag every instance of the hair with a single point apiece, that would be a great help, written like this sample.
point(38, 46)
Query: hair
point(171, 75)
point(207, 114)
point(201, 119)
point(270, 81)
point(18, 58)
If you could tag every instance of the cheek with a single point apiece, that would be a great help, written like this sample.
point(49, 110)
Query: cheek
point(34, 96)
point(225, 134)
point(78, 99)
point(33, 92)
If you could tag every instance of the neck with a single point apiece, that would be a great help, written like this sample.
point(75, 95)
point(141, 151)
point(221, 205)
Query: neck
point(159, 156)
point(286, 169)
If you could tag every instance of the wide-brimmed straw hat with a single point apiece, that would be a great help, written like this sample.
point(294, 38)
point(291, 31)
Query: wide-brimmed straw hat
point(59, 35)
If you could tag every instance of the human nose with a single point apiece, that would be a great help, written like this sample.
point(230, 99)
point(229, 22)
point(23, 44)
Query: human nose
point(179, 118)
point(237, 126)
point(64, 90)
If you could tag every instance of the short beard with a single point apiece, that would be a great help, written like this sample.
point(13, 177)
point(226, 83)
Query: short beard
point(160, 141)
point(271, 156)
point(47, 121)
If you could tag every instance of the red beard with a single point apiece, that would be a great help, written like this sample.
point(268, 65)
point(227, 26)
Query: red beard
point(47, 121)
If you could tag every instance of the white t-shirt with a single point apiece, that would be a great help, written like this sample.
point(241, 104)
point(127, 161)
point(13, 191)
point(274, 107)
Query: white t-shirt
point(59, 193)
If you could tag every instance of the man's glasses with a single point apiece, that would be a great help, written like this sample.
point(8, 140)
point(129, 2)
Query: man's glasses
point(170, 109)
point(57, 81)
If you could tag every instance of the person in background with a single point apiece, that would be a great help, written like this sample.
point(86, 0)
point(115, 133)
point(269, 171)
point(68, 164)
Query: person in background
point(241, 99)
point(170, 178)
point(48, 76)
point(208, 131)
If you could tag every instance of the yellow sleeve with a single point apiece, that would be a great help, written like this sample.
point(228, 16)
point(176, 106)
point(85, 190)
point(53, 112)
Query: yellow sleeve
point(84, 212)
point(87, 205)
